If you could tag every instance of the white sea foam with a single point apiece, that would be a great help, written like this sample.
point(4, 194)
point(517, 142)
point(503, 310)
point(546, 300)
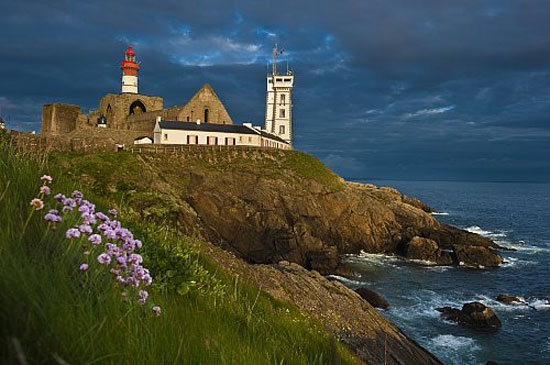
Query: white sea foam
point(346, 281)
point(375, 259)
point(540, 304)
point(439, 268)
point(456, 343)
point(511, 261)
point(484, 233)
point(478, 230)
point(440, 213)
point(457, 349)
point(528, 249)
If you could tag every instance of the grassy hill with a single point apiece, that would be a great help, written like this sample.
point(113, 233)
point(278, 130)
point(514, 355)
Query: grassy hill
point(51, 311)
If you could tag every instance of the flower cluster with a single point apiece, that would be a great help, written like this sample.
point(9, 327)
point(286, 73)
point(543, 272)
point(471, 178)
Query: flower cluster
point(102, 236)
point(38, 203)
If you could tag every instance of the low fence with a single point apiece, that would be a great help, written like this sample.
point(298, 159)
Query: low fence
point(190, 148)
point(36, 144)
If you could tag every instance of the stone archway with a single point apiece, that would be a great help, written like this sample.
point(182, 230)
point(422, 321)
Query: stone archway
point(137, 107)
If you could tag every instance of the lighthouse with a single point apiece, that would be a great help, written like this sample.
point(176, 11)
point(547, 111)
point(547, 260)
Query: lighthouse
point(130, 70)
point(278, 102)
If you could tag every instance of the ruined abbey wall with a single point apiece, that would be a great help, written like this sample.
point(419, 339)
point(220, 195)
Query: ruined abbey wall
point(131, 112)
point(117, 107)
point(204, 105)
point(58, 119)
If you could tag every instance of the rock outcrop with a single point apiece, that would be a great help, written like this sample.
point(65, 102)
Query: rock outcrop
point(344, 313)
point(372, 297)
point(474, 314)
point(509, 299)
point(419, 248)
point(268, 206)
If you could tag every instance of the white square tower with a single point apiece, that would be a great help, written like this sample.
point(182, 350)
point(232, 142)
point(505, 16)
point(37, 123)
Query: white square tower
point(278, 104)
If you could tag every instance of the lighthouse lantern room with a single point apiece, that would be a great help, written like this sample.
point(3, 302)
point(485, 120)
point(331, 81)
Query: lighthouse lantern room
point(130, 70)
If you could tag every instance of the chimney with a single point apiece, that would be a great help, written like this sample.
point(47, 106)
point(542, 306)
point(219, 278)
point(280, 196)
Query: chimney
point(159, 119)
point(198, 122)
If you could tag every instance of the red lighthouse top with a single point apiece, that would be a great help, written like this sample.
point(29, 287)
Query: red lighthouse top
point(129, 66)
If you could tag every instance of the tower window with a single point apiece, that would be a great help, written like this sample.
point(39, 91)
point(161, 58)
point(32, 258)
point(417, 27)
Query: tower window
point(206, 115)
point(283, 99)
point(282, 113)
point(281, 129)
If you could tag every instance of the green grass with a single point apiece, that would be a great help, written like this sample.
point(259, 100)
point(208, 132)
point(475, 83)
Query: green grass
point(49, 310)
point(112, 172)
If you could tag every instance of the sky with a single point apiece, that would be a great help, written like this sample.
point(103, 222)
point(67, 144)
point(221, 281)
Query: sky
point(393, 89)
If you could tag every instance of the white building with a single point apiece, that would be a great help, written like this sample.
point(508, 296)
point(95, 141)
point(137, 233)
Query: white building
point(209, 134)
point(143, 140)
point(278, 108)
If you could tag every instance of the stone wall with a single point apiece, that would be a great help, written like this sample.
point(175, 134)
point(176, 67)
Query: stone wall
point(133, 112)
point(118, 107)
point(59, 118)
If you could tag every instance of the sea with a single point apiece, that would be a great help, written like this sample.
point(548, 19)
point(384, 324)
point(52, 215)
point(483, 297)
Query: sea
point(515, 215)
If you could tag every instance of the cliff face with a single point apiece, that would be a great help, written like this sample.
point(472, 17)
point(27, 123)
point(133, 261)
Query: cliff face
point(269, 206)
point(286, 212)
point(342, 311)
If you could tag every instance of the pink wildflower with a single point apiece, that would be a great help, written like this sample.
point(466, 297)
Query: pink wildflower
point(46, 179)
point(95, 239)
point(84, 267)
point(45, 190)
point(104, 259)
point(72, 233)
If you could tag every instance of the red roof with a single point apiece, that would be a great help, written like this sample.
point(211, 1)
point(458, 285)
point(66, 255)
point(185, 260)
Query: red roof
point(130, 51)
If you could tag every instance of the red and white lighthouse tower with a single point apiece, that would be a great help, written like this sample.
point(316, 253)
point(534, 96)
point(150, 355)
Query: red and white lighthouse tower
point(130, 70)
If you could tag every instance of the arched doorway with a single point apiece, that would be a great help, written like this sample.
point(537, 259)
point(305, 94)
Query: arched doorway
point(137, 107)
point(206, 115)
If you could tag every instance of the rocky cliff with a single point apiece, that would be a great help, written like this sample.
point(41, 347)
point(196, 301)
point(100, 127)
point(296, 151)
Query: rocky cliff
point(269, 206)
point(286, 213)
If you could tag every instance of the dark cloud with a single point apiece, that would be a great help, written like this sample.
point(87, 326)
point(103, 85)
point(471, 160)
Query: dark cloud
point(422, 89)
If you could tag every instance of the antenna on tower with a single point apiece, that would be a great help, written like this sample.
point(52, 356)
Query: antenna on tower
point(276, 52)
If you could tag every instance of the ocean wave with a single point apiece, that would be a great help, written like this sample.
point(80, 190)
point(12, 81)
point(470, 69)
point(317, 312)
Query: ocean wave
point(529, 303)
point(510, 261)
point(456, 343)
point(346, 281)
point(439, 213)
point(484, 233)
point(457, 349)
point(540, 304)
point(374, 259)
point(526, 248)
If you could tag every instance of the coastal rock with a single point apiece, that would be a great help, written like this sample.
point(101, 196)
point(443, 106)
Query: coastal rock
point(509, 299)
point(419, 248)
point(349, 318)
point(372, 297)
point(417, 204)
point(474, 314)
point(479, 256)
point(267, 206)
